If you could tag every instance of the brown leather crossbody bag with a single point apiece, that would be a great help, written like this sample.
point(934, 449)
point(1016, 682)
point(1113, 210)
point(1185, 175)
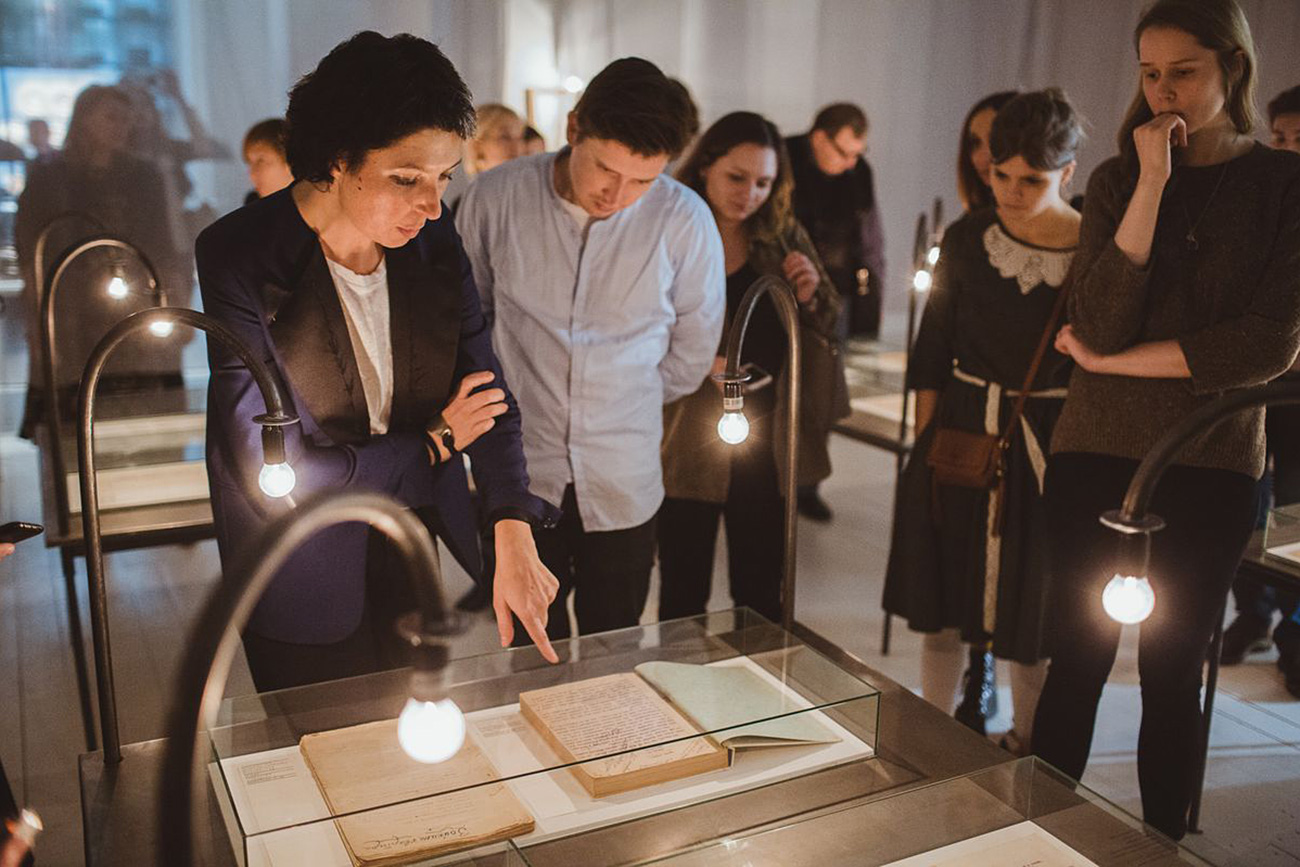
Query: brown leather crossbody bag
point(977, 460)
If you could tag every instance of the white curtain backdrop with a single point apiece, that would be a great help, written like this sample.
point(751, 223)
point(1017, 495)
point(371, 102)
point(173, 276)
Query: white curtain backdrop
point(914, 65)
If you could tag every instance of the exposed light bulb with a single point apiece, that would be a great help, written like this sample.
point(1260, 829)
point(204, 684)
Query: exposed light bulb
point(733, 427)
point(1128, 599)
point(28, 827)
point(431, 731)
point(932, 256)
point(573, 83)
point(117, 287)
point(921, 280)
point(276, 480)
point(162, 327)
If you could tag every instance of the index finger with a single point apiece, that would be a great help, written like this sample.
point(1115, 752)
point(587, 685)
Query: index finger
point(537, 632)
point(473, 381)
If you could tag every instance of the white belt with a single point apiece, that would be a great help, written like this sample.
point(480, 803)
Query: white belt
point(994, 393)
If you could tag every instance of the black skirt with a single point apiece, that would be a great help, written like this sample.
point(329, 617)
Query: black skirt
point(939, 560)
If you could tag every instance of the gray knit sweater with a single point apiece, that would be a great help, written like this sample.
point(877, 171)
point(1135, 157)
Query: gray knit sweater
point(1232, 303)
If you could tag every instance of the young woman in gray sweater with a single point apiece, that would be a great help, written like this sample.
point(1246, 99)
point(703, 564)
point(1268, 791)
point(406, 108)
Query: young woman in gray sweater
point(1186, 284)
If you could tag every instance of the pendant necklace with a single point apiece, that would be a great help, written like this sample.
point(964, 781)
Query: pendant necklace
point(1190, 237)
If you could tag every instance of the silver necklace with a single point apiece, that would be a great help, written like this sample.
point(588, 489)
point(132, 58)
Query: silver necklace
point(1190, 237)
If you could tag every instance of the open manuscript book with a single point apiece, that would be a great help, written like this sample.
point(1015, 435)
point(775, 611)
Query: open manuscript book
point(647, 725)
point(640, 728)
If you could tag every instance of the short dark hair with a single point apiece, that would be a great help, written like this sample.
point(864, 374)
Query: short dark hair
point(838, 115)
point(531, 133)
point(269, 132)
point(367, 93)
point(1286, 102)
point(1041, 127)
point(633, 103)
point(692, 111)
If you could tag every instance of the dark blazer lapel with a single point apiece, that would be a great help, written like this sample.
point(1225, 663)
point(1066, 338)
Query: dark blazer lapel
point(312, 336)
point(424, 308)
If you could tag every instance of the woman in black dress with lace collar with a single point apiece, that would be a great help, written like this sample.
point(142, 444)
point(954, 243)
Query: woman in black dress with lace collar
point(999, 274)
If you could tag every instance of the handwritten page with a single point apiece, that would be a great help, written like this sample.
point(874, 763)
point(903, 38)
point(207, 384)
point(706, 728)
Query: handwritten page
point(621, 718)
point(363, 771)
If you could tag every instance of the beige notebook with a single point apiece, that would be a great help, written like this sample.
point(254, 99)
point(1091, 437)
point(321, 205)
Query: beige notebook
point(619, 714)
point(361, 768)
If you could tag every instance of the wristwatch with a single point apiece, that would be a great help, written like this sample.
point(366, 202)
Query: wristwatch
point(440, 431)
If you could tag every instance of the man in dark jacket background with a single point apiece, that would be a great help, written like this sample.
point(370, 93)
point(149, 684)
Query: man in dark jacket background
point(835, 200)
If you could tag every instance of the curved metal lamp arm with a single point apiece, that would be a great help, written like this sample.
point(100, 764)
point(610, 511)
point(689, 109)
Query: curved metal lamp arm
point(43, 238)
point(1132, 520)
point(212, 648)
point(732, 380)
point(272, 439)
point(49, 356)
point(1133, 516)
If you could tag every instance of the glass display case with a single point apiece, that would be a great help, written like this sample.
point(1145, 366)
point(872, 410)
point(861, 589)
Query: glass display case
point(630, 724)
point(874, 374)
point(1281, 537)
point(1023, 812)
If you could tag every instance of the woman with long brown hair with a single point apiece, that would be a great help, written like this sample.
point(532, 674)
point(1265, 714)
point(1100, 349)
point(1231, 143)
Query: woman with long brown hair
point(1186, 285)
point(741, 168)
point(974, 159)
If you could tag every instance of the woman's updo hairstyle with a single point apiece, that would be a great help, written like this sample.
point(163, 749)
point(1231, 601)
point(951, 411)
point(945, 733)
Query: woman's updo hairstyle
point(367, 93)
point(1041, 127)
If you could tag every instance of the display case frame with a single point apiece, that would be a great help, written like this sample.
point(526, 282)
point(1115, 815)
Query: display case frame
point(290, 806)
point(1023, 811)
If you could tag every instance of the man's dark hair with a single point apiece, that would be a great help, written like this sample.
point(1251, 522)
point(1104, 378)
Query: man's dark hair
point(838, 115)
point(367, 93)
point(269, 132)
point(1286, 102)
point(633, 103)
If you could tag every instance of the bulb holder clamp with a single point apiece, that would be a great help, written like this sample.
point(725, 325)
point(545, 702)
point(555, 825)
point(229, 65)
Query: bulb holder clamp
point(1147, 524)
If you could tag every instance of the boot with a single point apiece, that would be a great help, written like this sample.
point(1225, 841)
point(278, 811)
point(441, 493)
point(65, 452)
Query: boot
point(979, 699)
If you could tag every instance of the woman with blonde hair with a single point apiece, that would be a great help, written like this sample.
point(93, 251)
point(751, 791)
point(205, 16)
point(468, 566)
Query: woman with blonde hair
point(499, 138)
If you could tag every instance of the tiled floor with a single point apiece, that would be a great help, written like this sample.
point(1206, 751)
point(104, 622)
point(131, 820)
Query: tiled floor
point(1253, 784)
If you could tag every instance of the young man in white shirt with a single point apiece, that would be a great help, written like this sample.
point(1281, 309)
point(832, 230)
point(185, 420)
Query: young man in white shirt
point(605, 281)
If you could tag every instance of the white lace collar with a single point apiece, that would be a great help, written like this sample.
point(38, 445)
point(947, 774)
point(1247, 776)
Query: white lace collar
point(1029, 265)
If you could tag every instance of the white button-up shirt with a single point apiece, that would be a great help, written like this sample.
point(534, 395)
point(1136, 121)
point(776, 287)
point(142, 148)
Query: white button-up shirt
point(595, 333)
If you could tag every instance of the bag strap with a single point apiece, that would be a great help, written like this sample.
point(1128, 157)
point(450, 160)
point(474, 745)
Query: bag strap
point(1013, 424)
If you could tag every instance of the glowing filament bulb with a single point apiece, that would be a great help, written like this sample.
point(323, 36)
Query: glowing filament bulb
point(1128, 599)
point(117, 287)
point(431, 731)
point(921, 280)
point(932, 256)
point(733, 427)
point(276, 480)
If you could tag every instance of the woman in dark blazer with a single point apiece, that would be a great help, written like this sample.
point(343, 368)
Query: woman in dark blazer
point(354, 288)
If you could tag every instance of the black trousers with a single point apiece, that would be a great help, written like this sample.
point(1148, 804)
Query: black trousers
point(754, 514)
point(607, 572)
point(1209, 515)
